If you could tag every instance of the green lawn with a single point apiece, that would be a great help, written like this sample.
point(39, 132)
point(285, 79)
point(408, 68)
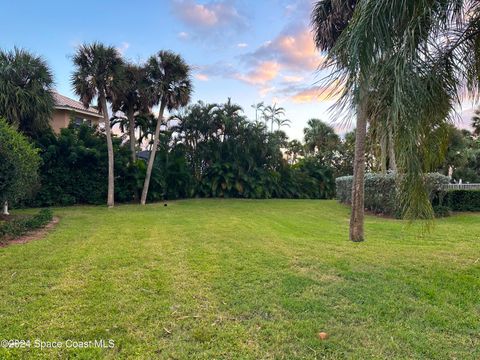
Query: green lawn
point(241, 279)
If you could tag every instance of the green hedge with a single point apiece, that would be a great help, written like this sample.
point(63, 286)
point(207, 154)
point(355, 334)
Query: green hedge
point(381, 191)
point(20, 226)
point(462, 200)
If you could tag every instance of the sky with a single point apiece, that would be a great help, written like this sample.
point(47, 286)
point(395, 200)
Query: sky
point(248, 50)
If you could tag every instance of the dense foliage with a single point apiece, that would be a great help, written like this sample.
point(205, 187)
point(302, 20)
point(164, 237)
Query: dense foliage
point(462, 200)
point(209, 150)
point(19, 162)
point(74, 168)
point(382, 191)
point(18, 226)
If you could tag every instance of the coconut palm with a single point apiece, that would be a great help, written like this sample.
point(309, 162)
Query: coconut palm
point(26, 100)
point(99, 74)
point(169, 77)
point(131, 99)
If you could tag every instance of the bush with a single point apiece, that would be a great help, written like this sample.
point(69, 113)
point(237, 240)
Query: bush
point(74, 169)
point(19, 162)
point(20, 226)
point(441, 211)
point(462, 200)
point(381, 191)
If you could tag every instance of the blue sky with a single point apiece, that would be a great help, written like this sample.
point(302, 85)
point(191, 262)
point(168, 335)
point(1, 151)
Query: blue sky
point(248, 50)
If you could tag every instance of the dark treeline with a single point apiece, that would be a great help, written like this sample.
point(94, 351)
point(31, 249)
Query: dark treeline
point(205, 150)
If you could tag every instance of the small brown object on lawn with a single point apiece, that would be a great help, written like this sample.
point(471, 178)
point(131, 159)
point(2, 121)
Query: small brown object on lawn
point(322, 335)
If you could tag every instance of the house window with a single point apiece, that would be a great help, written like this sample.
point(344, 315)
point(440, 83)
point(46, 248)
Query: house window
point(78, 121)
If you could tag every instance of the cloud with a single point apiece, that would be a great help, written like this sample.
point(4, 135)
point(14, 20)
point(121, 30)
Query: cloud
point(262, 74)
point(294, 49)
point(242, 45)
point(123, 47)
point(311, 94)
point(264, 91)
point(183, 35)
point(208, 16)
point(292, 79)
point(202, 77)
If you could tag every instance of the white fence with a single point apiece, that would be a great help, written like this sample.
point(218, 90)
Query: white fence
point(461, 187)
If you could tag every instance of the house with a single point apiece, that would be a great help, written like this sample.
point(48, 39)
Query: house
point(68, 110)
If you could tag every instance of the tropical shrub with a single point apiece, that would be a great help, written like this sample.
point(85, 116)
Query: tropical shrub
point(462, 200)
point(381, 191)
point(19, 163)
point(74, 168)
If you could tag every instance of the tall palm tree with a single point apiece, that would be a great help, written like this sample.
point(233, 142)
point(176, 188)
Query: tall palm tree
point(26, 99)
point(329, 20)
point(418, 55)
point(258, 107)
point(131, 99)
point(169, 77)
point(273, 114)
point(99, 74)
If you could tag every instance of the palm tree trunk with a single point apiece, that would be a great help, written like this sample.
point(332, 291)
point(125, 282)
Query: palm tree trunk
point(108, 132)
point(383, 154)
point(358, 206)
point(391, 149)
point(151, 159)
point(133, 141)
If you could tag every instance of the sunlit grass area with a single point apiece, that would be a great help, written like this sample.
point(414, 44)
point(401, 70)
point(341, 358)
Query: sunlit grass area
point(225, 279)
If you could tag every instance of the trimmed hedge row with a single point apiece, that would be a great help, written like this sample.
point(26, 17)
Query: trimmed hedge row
point(462, 200)
point(20, 226)
point(381, 191)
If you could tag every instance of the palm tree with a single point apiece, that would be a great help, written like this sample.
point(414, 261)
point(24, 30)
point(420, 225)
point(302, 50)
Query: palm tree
point(329, 19)
point(320, 137)
point(98, 74)
point(418, 55)
point(283, 122)
point(26, 99)
point(273, 114)
point(132, 98)
point(259, 107)
point(169, 77)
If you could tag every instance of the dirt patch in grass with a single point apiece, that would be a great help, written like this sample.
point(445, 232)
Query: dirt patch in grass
point(31, 235)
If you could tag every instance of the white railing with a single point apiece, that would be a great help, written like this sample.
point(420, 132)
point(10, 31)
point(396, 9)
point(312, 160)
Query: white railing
point(461, 187)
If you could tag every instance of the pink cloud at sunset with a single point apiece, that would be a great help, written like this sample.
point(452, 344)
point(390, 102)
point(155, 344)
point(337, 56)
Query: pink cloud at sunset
point(294, 50)
point(316, 94)
point(262, 74)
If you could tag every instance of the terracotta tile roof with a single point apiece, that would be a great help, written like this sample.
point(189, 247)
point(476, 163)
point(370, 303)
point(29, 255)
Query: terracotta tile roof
point(65, 102)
